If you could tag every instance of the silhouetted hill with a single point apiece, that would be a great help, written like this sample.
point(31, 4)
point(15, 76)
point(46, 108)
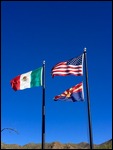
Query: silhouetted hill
point(58, 145)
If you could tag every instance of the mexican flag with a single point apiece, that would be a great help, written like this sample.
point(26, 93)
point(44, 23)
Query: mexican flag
point(27, 80)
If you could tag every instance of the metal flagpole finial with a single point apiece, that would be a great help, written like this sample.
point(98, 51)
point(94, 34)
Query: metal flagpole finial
point(43, 61)
point(85, 49)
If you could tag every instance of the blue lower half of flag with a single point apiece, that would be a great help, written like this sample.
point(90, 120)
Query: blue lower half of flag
point(74, 97)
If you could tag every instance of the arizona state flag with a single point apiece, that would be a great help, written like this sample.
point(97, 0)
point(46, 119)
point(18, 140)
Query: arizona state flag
point(73, 94)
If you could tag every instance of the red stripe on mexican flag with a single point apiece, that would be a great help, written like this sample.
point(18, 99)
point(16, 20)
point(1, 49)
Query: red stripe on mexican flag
point(27, 80)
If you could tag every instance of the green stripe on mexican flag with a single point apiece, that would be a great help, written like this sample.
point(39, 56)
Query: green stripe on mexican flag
point(27, 80)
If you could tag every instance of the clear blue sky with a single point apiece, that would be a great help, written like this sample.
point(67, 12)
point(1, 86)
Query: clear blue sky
point(56, 31)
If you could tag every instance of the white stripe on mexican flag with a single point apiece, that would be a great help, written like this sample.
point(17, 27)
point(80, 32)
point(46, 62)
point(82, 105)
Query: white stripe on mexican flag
point(27, 80)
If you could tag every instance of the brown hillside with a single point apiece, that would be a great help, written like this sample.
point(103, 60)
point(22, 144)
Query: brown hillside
point(58, 145)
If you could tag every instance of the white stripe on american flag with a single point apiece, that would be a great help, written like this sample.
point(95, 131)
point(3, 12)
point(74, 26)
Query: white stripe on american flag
point(69, 66)
point(64, 65)
point(66, 69)
point(66, 73)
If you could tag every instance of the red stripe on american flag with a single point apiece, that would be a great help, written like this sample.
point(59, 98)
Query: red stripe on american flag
point(64, 70)
point(67, 74)
point(67, 66)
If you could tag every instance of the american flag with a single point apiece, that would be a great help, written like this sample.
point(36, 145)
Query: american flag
point(73, 94)
point(73, 66)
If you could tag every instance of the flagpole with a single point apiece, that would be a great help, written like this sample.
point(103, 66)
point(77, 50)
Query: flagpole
point(43, 107)
point(88, 101)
